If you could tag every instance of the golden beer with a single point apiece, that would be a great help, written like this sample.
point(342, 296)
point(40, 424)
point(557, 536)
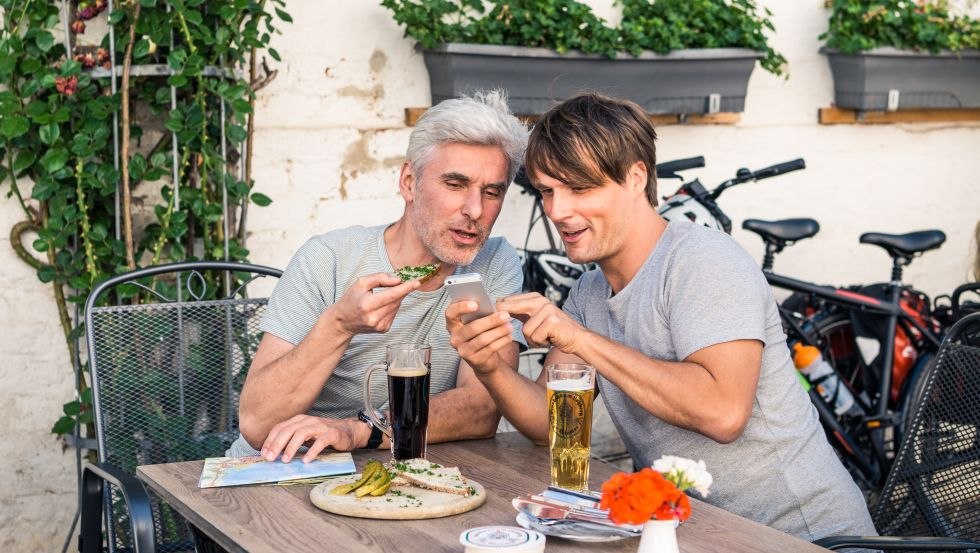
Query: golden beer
point(570, 431)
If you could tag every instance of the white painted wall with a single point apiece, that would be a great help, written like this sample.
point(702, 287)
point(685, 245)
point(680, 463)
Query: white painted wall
point(331, 134)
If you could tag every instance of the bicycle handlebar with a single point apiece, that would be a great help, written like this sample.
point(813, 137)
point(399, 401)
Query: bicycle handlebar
point(779, 169)
point(668, 169)
point(744, 175)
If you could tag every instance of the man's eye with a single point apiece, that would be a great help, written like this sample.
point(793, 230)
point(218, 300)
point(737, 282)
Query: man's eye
point(454, 185)
point(493, 192)
point(545, 191)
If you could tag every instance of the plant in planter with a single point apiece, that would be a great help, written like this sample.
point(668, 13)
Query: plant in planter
point(543, 51)
point(895, 54)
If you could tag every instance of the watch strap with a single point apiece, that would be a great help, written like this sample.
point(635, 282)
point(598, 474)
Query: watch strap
point(376, 435)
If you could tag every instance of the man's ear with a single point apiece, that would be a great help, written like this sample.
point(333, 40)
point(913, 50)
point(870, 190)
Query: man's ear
point(406, 182)
point(636, 177)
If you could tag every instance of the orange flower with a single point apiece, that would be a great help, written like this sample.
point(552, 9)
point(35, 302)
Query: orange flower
point(635, 498)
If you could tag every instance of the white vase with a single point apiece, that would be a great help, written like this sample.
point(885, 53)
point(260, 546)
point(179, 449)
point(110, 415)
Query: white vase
point(659, 536)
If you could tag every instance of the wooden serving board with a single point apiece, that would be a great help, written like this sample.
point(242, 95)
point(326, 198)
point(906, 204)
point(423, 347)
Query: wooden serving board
point(401, 502)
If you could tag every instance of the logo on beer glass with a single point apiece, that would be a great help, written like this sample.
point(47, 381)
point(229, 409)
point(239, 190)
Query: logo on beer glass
point(571, 389)
point(570, 409)
point(408, 370)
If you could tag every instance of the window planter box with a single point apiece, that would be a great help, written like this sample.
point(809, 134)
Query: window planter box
point(684, 81)
point(913, 80)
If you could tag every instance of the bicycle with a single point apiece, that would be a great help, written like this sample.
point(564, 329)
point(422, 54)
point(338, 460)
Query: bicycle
point(865, 441)
point(825, 316)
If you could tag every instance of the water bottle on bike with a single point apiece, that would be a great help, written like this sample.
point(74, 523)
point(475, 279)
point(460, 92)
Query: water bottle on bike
point(819, 372)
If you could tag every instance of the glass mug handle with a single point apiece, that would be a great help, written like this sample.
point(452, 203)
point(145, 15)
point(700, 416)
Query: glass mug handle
point(368, 406)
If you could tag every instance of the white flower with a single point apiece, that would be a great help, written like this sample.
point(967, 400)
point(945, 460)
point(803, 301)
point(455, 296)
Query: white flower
point(684, 473)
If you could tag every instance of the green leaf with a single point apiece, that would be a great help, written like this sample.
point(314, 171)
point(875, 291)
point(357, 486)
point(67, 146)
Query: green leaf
point(175, 123)
point(46, 273)
point(274, 54)
point(44, 40)
point(237, 133)
point(65, 425)
point(261, 199)
point(284, 16)
point(40, 245)
point(72, 408)
point(14, 126)
point(23, 160)
point(141, 48)
point(49, 133)
point(54, 159)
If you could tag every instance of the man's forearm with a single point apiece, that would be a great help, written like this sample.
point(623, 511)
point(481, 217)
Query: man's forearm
point(684, 393)
point(523, 402)
point(461, 414)
point(288, 384)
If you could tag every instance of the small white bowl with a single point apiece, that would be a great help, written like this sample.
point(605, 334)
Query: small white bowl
point(498, 539)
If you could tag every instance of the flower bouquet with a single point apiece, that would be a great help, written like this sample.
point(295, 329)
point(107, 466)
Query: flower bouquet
point(655, 498)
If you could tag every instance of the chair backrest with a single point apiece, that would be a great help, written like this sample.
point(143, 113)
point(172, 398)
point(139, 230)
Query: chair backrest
point(166, 376)
point(933, 488)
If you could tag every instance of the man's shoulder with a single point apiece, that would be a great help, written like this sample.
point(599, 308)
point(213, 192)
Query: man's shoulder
point(340, 241)
point(691, 243)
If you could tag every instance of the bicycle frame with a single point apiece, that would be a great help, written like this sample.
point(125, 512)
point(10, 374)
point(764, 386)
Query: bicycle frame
point(880, 418)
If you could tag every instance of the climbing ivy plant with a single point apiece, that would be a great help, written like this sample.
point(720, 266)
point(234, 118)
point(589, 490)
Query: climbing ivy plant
point(89, 209)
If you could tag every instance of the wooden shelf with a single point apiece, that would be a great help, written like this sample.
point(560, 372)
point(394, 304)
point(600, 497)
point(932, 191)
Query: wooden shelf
point(838, 116)
point(412, 116)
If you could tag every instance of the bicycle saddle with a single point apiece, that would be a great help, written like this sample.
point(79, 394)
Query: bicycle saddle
point(905, 245)
point(784, 230)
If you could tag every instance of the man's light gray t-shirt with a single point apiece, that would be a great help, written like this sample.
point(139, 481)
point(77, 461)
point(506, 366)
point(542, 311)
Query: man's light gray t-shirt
point(699, 288)
point(322, 271)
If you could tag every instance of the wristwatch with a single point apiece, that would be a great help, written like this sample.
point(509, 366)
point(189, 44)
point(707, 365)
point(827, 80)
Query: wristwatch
point(376, 435)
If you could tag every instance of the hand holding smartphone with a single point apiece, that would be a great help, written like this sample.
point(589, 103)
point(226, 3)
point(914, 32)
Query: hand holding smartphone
point(469, 286)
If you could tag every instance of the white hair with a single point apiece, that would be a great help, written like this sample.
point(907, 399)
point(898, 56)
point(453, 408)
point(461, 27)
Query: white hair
point(482, 120)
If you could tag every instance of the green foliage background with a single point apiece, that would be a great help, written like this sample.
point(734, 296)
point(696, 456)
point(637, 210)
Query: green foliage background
point(563, 25)
point(56, 148)
point(926, 25)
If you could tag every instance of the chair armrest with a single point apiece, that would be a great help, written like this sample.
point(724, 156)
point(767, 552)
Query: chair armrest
point(137, 502)
point(899, 543)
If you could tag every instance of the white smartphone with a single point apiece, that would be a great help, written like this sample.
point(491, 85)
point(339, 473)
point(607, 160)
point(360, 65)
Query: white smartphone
point(469, 286)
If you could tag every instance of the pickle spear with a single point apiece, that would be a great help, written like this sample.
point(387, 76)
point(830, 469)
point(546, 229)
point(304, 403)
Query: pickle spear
point(370, 469)
point(378, 480)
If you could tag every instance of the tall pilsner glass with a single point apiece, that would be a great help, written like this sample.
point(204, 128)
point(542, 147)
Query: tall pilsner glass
point(571, 389)
point(407, 367)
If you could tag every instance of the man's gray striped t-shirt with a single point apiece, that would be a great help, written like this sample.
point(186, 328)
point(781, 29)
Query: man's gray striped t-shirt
point(327, 265)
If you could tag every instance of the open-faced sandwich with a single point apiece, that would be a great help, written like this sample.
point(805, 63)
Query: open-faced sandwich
point(421, 272)
point(432, 476)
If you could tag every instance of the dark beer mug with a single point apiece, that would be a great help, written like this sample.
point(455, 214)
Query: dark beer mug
point(407, 367)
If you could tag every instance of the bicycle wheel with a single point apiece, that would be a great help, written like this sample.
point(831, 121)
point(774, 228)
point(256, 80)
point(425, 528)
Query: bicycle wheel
point(833, 333)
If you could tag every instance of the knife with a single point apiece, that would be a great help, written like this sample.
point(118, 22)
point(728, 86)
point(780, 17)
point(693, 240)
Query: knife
point(554, 512)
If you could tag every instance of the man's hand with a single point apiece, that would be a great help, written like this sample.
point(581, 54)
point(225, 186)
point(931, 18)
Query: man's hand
point(544, 323)
point(286, 437)
point(362, 311)
point(481, 341)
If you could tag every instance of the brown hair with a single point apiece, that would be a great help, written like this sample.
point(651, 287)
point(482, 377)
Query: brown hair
point(591, 138)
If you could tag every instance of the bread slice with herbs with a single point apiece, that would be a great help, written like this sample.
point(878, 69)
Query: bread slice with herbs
point(433, 476)
point(421, 272)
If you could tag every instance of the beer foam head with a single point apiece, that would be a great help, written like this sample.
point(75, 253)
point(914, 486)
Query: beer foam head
point(570, 385)
point(406, 372)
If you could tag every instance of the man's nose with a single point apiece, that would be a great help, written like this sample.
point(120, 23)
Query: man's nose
point(557, 206)
point(473, 204)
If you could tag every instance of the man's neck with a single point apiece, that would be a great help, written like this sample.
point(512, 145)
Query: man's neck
point(620, 269)
point(405, 248)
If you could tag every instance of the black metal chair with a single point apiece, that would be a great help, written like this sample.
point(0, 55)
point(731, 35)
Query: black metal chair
point(933, 488)
point(166, 378)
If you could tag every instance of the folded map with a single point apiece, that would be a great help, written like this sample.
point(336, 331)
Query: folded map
point(231, 471)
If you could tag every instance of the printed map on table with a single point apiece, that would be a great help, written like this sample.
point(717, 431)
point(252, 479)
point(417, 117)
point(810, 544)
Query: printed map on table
point(231, 471)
